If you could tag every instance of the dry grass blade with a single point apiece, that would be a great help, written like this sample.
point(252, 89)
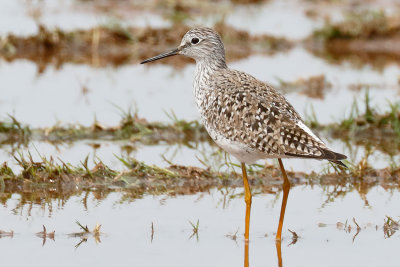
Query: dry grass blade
point(195, 229)
point(295, 237)
point(358, 229)
point(152, 232)
point(233, 236)
point(6, 234)
point(44, 235)
point(84, 228)
point(86, 233)
point(390, 227)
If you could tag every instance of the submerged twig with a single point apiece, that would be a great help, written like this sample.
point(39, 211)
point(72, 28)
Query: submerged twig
point(195, 229)
point(44, 235)
point(295, 237)
point(6, 234)
point(86, 233)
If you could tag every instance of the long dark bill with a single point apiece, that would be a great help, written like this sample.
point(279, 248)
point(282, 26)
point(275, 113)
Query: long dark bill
point(167, 54)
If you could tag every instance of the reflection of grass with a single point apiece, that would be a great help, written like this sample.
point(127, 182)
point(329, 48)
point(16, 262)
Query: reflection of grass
point(119, 29)
point(390, 227)
point(183, 125)
point(311, 119)
point(14, 131)
point(6, 234)
point(141, 169)
point(195, 229)
point(314, 86)
point(367, 37)
point(49, 171)
point(366, 24)
point(367, 128)
point(85, 233)
point(131, 127)
point(47, 179)
point(355, 118)
point(116, 44)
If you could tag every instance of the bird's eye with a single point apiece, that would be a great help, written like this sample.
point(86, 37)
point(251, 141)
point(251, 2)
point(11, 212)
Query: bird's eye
point(195, 40)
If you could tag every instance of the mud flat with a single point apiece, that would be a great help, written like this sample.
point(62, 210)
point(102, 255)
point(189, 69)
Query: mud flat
point(369, 36)
point(116, 45)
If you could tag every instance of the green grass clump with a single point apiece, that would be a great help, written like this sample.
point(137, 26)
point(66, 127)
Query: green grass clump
point(14, 131)
point(389, 121)
point(183, 125)
point(142, 169)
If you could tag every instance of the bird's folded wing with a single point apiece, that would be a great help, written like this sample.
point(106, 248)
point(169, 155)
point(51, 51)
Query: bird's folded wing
point(251, 112)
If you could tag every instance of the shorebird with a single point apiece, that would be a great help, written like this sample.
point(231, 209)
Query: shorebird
point(246, 117)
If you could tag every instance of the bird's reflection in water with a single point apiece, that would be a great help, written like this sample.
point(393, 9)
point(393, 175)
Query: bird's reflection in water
point(246, 254)
point(278, 253)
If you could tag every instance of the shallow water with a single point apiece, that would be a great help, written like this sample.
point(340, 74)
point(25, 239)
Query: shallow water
point(22, 17)
point(74, 93)
point(200, 154)
point(287, 19)
point(80, 93)
point(126, 229)
point(272, 18)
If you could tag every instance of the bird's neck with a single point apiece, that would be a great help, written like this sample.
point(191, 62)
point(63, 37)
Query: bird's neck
point(210, 64)
point(205, 69)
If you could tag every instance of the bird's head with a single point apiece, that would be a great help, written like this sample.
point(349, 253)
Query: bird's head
point(201, 44)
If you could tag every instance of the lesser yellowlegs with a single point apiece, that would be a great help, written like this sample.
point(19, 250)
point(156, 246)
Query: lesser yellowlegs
point(244, 116)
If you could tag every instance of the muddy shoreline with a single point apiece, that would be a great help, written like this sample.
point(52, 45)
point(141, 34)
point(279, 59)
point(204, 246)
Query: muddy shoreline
point(116, 45)
point(359, 40)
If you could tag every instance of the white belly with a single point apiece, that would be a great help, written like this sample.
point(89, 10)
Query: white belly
point(240, 151)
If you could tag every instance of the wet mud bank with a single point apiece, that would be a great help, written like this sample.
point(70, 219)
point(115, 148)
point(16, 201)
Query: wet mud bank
point(117, 45)
point(49, 178)
point(369, 128)
point(368, 36)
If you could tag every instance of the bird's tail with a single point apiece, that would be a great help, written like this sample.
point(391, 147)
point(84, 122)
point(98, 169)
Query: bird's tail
point(338, 162)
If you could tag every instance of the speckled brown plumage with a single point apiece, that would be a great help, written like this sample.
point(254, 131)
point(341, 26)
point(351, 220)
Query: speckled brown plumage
point(242, 109)
point(246, 117)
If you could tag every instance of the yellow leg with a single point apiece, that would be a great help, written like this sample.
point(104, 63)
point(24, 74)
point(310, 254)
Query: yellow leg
point(286, 189)
point(246, 254)
point(247, 198)
point(278, 252)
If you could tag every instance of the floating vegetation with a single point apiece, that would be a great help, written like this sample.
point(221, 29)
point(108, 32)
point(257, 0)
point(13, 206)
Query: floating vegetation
point(152, 233)
point(44, 235)
point(86, 233)
point(233, 236)
point(390, 227)
point(348, 228)
point(295, 237)
point(6, 234)
point(195, 229)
